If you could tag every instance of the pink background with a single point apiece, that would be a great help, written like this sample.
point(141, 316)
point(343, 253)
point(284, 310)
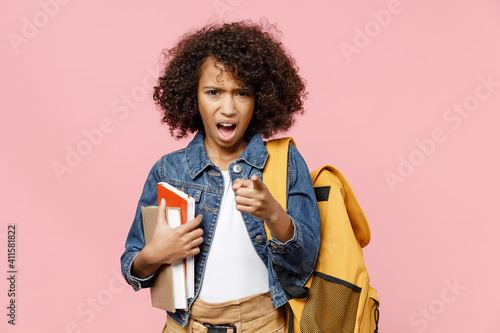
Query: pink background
point(69, 68)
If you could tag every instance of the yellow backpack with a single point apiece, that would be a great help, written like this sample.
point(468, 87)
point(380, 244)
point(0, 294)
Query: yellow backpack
point(340, 298)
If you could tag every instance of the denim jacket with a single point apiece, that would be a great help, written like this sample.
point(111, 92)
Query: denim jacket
point(191, 171)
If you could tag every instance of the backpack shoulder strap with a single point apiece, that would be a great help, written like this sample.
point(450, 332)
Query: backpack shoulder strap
point(275, 172)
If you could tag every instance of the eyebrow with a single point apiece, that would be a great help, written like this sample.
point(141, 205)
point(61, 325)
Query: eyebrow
point(212, 87)
point(220, 88)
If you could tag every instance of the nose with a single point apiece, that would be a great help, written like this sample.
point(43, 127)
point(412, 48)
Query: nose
point(228, 106)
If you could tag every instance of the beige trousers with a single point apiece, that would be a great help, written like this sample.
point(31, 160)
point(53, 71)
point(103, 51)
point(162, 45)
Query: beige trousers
point(250, 314)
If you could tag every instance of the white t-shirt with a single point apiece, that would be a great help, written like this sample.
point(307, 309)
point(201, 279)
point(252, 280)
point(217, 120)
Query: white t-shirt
point(234, 269)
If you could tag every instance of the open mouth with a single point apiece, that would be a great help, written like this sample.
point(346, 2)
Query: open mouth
point(226, 130)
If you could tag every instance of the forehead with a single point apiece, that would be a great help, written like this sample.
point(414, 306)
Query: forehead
point(216, 72)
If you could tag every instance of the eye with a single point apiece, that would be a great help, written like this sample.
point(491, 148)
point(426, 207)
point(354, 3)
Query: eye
point(243, 93)
point(212, 92)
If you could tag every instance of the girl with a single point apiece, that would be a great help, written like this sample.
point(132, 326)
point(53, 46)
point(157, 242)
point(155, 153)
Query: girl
point(231, 84)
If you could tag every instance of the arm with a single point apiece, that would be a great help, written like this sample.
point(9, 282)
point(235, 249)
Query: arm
point(296, 232)
point(298, 255)
point(139, 274)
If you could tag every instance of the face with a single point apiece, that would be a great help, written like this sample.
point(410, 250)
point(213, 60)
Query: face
point(225, 106)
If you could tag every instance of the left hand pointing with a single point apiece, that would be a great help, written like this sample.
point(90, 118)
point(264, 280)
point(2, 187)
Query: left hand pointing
point(253, 197)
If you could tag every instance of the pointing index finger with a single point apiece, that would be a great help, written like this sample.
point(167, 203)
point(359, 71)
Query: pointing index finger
point(257, 182)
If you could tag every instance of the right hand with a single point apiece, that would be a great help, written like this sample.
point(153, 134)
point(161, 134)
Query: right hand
point(171, 244)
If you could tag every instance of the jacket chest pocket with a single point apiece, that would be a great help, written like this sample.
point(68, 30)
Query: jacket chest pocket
point(192, 192)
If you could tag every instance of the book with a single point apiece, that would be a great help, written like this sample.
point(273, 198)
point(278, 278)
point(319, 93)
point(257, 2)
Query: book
point(186, 203)
point(168, 291)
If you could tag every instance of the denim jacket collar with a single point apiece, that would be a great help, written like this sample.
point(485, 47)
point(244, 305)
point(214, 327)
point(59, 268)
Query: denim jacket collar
point(197, 159)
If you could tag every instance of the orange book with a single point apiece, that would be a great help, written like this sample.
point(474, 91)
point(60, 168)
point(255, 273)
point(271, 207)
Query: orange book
point(186, 203)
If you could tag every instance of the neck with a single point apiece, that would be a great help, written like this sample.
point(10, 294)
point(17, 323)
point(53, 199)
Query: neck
point(221, 157)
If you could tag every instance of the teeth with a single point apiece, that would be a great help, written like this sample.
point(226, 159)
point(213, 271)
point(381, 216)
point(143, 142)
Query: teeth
point(226, 124)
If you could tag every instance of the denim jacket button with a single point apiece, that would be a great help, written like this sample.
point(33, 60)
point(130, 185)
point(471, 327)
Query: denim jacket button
point(237, 168)
point(260, 239)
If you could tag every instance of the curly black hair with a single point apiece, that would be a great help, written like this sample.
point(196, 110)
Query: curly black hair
point(251, 50)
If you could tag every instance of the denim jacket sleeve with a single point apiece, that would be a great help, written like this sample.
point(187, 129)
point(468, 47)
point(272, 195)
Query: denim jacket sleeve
point(135, 239)
point(298, 255)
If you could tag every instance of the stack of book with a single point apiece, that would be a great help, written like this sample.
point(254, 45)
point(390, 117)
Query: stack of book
point(174, 283)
